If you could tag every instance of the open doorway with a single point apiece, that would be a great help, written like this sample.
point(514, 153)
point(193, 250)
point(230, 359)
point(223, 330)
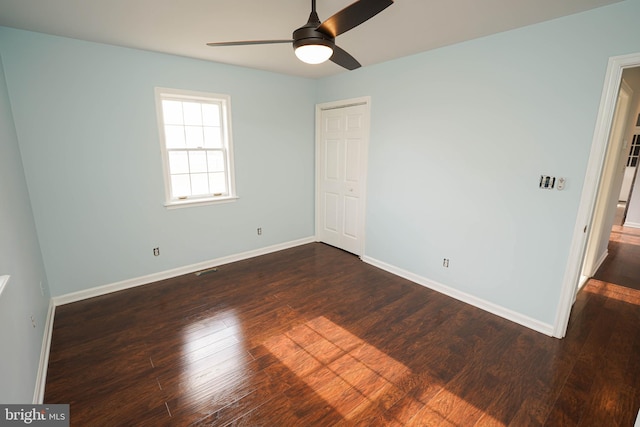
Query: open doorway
point(599, 198)
point(608, 194)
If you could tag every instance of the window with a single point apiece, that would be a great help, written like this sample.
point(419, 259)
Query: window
point(195, 135)
point(634, 153)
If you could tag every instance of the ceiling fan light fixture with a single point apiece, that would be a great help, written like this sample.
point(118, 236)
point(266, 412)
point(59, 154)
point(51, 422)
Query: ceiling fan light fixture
point(314, 42)
point(313, 51)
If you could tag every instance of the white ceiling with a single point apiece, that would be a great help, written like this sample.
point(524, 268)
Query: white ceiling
point(183, 27)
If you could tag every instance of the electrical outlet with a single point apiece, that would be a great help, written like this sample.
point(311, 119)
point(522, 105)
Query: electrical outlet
point(561, 183)
point(33, 321)
point(156, 251)
point(445, 262)
point(259, 231)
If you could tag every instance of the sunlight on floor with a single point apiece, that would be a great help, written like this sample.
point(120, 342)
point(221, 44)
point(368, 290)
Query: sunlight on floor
point(626, 235)
point(613, 291)
point(353, 376)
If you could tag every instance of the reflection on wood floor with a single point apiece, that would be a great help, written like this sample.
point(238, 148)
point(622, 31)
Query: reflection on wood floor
point(313, 336)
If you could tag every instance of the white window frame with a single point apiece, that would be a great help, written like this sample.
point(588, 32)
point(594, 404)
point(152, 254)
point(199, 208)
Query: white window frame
point(224, 101)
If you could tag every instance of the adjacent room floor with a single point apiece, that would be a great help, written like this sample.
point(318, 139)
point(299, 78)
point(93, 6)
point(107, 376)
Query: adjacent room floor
point(313, 336)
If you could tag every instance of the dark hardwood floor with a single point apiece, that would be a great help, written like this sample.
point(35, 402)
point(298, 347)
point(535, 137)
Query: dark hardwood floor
point(313, 336)
point(622, 265)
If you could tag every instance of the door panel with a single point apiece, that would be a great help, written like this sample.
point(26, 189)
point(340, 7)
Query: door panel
point(352, 169)
point(331, 213)
point(351, 217)
point(332, 164)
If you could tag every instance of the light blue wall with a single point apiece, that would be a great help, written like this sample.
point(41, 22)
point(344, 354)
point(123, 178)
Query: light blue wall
point(459, 139)
point(86, 121)
point(20, 257)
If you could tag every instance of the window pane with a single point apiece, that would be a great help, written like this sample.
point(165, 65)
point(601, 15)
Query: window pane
point(192, 113)
point(212, 137)
point(199, 184)
point(210, 115)
point(180, 186)
point(174, 136)
point(197, 161)
point(178, 162)
point(172, 112)
point(216, 161)
point(218, 183)
point(194, 136)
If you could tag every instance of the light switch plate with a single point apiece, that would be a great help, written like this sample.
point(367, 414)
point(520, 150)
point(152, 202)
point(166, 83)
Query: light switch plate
point(547, 182)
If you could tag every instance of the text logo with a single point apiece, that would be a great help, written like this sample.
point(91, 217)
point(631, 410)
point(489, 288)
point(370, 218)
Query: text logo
point(36, 415)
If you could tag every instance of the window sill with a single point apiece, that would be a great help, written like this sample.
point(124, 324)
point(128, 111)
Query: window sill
point(199, 202)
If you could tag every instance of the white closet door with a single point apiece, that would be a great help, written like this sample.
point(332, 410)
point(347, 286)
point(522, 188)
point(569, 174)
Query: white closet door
point(341, 167)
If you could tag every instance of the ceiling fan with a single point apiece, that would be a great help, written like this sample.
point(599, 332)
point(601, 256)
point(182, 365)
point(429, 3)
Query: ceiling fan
point(314, 42)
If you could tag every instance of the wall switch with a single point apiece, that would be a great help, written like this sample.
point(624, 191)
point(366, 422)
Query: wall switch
point(547, 182)
point(561, 183)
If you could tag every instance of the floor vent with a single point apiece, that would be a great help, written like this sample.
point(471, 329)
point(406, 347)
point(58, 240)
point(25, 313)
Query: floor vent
point(207, 271)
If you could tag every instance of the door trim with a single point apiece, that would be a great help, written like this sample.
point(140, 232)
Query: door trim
point(600, 229)
point(593, 176)
point(366, 101)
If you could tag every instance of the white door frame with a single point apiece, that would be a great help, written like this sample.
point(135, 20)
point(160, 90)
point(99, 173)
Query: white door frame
point(366, 101)
point(592, 179)
point(612, 173)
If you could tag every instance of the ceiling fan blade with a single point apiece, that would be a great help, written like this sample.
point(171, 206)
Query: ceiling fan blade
point(248, 42)
point(343, 59)
point(352, 16)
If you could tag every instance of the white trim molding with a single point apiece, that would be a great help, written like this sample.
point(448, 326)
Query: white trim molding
point(41, 377)
point(490, 307)
point(589, 195)
point(602, 258)
point(155, 277)
point(632, 224)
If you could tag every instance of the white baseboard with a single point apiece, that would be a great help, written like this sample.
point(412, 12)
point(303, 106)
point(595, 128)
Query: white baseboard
point(41, 378)
point(518, 318)
point(631, 224)
point(599, 262)
point(162, 275)
point(583, 281)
